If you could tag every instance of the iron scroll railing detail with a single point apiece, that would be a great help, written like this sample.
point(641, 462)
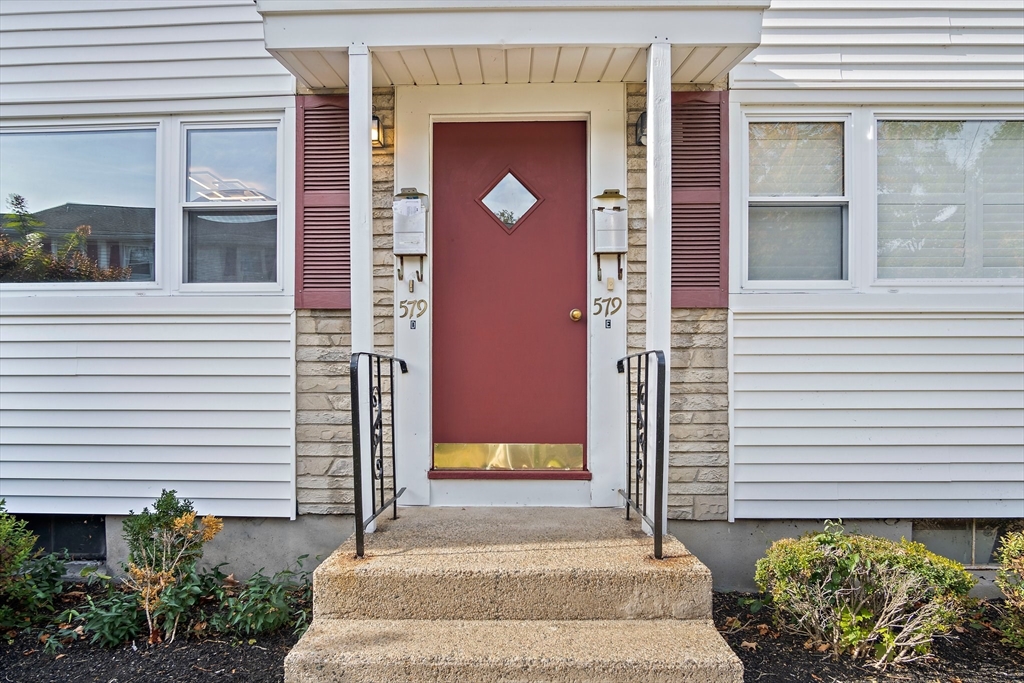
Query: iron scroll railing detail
point(637, 413)
point(375, 386)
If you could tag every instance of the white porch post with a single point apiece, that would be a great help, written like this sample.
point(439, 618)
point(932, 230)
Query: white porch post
point(361, 235)
point(659, 234)
point(361, 188)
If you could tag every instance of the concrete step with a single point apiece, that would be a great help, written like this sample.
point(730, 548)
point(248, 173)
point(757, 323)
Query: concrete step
point(662, 651)
point(512, 563)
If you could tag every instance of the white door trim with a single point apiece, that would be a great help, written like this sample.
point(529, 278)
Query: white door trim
point(603, 106)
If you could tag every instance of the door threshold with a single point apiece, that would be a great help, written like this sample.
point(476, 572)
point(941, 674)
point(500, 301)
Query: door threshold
point(563, 475)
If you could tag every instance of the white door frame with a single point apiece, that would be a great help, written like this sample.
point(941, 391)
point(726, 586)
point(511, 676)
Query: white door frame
point(603, 106)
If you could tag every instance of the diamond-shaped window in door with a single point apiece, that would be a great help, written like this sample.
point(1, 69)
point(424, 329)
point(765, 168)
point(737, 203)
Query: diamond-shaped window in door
point(508, 201)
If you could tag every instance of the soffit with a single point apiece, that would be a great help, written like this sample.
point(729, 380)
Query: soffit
point(479, 42)
point(318, 69)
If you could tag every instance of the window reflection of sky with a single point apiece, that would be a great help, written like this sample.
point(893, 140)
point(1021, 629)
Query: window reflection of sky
point(116, 168)
point(509, 195)
point(241, 158)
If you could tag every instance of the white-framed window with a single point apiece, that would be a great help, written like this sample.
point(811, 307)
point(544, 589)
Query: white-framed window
point(798, 208)
point(869, 197)
point(950, 198)
point(179, 203)
point(229, 205)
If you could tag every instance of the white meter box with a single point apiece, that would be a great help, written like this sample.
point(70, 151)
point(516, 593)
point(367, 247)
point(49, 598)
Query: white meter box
point(410, 220)
point(610, 231)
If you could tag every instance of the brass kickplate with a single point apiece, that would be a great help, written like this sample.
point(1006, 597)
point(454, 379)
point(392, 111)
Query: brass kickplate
point(508, 456)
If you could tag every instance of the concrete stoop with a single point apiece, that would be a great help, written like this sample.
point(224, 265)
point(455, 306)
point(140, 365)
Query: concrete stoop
point(512, 594)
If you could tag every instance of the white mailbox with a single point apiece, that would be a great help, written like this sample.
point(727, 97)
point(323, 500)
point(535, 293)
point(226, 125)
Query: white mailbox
point(610, 223)
point(410, 220)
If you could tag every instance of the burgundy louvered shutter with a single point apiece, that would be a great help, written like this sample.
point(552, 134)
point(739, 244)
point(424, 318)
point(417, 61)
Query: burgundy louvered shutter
point(323, 272)
point(700, 200)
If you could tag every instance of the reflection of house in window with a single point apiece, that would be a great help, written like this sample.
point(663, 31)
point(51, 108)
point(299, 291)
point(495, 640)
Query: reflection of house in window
point(232, 246)
point(121, 236)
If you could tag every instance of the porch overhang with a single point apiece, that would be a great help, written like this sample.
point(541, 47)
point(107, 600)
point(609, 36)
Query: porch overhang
point(472, 42)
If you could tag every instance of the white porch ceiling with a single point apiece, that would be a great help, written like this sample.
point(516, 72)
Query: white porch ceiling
point(467, 42)
point(319, 69)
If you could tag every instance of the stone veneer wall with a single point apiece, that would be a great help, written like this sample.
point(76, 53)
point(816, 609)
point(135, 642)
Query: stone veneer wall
point(324, 345)
point(699, 431)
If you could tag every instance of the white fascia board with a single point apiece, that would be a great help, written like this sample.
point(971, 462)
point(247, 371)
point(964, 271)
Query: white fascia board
point(513, 28)
point(128, 106)
point(85, 303)
point(955, 95)
point(1008, 301)
point(290, 6)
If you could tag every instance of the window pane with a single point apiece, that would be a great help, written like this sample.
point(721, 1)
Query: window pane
point(796, 159)
point(87, 207)
point(796, 243)
point(232, 246)
point(238, 164)
point(509, 200)
point(950, 199)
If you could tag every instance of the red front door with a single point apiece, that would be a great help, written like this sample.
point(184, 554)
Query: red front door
point(510, 265)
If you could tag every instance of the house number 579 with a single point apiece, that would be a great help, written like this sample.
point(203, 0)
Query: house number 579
point(412, 308)
point(609, 304)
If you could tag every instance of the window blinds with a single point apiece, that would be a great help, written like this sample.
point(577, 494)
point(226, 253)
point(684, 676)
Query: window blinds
point(950, 199)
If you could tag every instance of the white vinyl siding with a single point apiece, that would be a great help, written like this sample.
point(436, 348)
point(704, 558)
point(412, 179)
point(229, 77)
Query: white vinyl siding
point(898, 45)
point(60, 53)
point(875, 415)
point(110, 393)
point(100, 413)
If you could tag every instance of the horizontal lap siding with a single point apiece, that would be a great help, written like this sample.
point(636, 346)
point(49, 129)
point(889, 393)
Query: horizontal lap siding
point(897, 44)
point(135, 50)
point(100, 413)
point(874, 415)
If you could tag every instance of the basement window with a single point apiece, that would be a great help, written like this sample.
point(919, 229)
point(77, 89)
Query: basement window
point(82, 536)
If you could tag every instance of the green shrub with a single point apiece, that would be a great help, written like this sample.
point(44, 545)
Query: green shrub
point(163, 547)
point(113, 618)
point(1010, 580)
point(864, 595)
point(261, 604)
point(29, 582)
point(16, 543)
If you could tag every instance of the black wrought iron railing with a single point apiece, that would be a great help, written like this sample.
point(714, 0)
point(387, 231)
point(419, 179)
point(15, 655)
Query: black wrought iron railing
point(637, 368)
point(375, 386)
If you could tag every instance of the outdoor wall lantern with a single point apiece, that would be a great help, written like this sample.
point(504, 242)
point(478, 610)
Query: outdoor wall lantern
point(641, 129)
point(376, 132)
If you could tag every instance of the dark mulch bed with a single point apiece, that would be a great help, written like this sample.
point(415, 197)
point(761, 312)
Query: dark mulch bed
point(189, 661)
point(973, 656)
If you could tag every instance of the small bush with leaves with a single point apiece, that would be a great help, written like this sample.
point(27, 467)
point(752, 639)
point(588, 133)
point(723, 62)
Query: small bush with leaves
point(163, 547)
point(16, 543)
point(265, 604)
point(260, 604)
point(29, 582)
point(164, 591)
point(114, 618)
point(1010, 580)
point(864, 595)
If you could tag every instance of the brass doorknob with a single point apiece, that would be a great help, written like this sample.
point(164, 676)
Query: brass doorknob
point(575, 314)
